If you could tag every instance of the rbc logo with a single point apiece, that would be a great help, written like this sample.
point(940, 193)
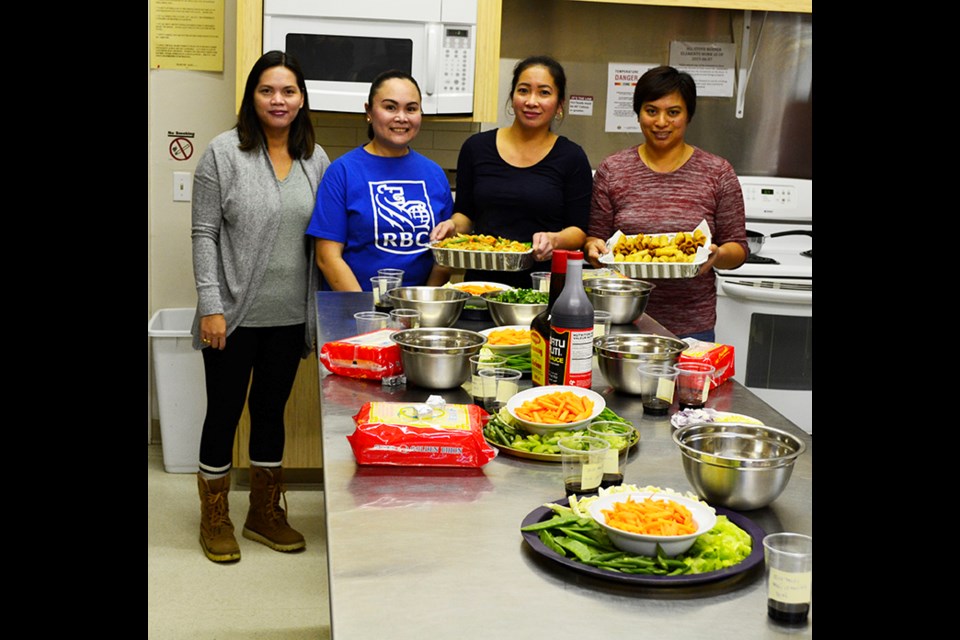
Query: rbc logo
point(402, 216)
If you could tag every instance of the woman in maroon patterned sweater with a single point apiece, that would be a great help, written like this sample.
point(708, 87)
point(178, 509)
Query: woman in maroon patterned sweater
point(666, 185)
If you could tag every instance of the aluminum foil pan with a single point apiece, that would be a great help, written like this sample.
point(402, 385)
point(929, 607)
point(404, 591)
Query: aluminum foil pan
point(483, 260)
point(646, 270)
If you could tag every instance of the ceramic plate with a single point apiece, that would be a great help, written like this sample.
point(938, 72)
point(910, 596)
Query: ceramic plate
point(529, 394)
point(689, 416)
point(755, 558)
point(507, 349)
point(476, 302)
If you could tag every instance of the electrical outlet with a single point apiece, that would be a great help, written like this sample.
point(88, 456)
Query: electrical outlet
point(181, 186)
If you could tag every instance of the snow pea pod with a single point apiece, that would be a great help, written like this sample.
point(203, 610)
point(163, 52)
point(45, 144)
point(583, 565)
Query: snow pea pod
point(552, 522)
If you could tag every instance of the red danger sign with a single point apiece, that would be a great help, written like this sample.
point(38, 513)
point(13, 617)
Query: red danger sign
point(181, 148)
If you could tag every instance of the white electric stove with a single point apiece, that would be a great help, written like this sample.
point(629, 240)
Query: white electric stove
point(765, 306)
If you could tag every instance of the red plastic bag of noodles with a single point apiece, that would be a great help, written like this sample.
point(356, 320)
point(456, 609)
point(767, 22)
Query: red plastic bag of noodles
point(420, 435)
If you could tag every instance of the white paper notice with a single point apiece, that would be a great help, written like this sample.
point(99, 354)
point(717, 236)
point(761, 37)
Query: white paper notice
point(710, 64)
point(621, 79)
point(580, 105)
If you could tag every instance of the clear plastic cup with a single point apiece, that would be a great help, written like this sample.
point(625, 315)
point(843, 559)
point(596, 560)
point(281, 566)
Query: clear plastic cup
point(380, 285)
point(478, 362)
point(392, 273)
point(404, 318)
point(540, 281)
point(498, 385)
point(789, 570)
point(368, 321)
point(582, 460)
point(657, 385)
point(693, 383)
point(617, 434)
point(601, 323)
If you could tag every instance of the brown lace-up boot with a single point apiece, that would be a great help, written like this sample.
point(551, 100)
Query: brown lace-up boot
point(216, 530)
point(266, 519)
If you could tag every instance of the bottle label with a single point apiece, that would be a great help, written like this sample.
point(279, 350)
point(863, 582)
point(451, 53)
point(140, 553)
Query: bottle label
point(538, 358)
point(571, 357)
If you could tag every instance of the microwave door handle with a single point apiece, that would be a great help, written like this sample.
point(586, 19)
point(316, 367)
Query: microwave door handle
point(433, 57)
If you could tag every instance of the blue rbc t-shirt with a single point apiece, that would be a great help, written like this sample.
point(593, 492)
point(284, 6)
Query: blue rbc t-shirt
point(382, 210)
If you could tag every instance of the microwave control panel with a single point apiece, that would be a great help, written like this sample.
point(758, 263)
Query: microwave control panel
point(457, 59)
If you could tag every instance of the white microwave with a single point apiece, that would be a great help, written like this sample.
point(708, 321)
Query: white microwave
point(343, 44)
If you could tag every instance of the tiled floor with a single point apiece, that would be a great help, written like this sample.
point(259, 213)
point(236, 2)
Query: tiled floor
point(267, 594)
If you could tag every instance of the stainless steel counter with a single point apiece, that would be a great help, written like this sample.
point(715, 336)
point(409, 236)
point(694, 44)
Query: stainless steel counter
point(437, 552)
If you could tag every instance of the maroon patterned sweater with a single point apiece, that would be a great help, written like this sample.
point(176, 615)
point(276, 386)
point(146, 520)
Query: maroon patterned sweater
point(628, 196)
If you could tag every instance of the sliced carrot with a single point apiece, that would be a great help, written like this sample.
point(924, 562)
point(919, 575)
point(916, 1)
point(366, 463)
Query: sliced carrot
point(651, 517)
point(509, 337)
point(560, 407)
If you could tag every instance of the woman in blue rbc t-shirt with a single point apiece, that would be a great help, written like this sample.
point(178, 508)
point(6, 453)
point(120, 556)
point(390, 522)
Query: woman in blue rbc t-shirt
point(377, 204)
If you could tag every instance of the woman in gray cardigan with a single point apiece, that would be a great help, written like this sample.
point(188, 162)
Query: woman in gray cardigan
point(253, 194)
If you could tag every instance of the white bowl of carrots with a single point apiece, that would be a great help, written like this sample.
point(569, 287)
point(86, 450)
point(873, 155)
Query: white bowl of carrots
point(638, 522)
point(553, 407)
point(509, 340)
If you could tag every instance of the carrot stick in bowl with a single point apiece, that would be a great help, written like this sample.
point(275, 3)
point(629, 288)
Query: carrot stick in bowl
point(560, 407)
point(651, 517)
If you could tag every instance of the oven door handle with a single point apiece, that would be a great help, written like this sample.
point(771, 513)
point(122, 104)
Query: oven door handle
point(765, 294)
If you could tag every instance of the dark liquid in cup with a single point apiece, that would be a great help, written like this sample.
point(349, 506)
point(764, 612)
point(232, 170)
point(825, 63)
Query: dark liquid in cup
point(574, 487)
point(656, 407)
point(611, 480)
point(788, 613)
point(688, 405)
point(383, 307)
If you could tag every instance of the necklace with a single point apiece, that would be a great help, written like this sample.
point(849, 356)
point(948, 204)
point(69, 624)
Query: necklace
point(663, 166)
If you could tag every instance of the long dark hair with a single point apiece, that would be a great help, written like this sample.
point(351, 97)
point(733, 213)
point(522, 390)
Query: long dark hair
point(379, 80)
point(551, 65)
point(660, 81)
point(302, 138)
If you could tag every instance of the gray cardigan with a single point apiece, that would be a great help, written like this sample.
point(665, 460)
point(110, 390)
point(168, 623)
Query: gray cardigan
point(236, 201)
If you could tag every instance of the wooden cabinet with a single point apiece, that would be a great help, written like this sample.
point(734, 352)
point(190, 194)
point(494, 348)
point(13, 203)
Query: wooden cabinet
point(302, 455)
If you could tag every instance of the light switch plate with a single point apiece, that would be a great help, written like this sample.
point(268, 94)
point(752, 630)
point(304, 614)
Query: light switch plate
point(181, 186)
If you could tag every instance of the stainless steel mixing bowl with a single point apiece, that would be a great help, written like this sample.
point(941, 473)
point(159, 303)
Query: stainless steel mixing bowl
point(735, 465)
point(510, 313)
point(619, 355)
point(624, 298)
point(438, 306)
point(437, 357)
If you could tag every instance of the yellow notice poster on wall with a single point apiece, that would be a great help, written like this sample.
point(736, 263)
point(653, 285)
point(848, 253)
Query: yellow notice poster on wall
point(186, 34)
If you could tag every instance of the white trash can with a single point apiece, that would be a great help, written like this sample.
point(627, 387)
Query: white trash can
point(181, 391)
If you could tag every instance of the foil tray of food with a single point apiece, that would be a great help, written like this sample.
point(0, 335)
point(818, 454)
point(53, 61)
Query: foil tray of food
point(484, 253)
point(659, 255)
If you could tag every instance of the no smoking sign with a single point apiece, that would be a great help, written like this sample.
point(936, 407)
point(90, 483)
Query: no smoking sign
point(181, 146)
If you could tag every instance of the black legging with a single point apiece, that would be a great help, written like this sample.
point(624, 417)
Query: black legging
point(273, 356)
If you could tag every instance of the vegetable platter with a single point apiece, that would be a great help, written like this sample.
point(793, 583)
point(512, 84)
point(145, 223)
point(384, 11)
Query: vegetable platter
point(564, 533)
point(509, 436)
